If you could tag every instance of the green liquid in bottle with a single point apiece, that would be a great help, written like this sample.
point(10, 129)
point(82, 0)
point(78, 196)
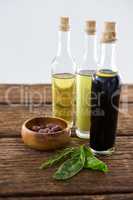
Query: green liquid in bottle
point(83, 100)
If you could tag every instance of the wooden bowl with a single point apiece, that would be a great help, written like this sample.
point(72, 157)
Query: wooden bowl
point(45, 141)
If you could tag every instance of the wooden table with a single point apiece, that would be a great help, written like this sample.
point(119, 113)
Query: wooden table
point(20, 177)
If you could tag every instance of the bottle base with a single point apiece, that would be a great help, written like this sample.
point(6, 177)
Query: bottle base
point(106, 153)
point(83, 134)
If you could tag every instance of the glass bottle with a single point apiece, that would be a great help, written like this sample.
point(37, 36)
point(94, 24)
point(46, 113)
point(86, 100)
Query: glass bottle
point(63, 76)
point(105, 96)
point(84, 82)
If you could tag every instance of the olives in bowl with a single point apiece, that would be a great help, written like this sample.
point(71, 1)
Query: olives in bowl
point(46, 133)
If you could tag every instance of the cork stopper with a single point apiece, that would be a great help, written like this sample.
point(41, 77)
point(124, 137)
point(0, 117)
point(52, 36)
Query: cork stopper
point(64, 24)
point(90, 27)
point(109, 33)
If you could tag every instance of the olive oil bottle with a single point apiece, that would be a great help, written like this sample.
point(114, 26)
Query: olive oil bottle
point(105, 96)
point(63, 76)
point(84, 77)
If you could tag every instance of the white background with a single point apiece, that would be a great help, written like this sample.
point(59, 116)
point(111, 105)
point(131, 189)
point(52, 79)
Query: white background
point(28, 35)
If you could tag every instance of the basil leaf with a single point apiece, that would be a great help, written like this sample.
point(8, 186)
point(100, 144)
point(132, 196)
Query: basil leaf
point(71, 166)
point(57, 158)
point(94, 163)
point(82, 154)
point(88, 151)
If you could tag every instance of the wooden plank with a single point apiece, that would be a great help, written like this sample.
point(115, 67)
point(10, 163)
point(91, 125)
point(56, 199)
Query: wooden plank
point(12, 118)
point(76, 197)
point(127, 93)
point(25, 94)
point(125, 125)
point(41, 93)
point(19, 173)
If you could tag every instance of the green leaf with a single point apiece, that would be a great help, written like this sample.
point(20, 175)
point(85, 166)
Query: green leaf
point(94, 163)
point(82, 154)
point(57, 158)
point(71, 166)
point(88, 151)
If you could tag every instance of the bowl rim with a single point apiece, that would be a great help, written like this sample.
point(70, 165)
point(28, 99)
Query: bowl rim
point(47, 134)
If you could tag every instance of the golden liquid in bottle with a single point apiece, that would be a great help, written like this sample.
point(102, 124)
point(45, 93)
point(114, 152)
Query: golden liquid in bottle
point(63, 95)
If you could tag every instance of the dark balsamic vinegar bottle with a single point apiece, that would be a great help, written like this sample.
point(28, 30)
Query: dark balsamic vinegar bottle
point(105, 96)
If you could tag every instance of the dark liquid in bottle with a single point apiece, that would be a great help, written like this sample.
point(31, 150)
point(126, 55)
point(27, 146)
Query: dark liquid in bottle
point(104, 113)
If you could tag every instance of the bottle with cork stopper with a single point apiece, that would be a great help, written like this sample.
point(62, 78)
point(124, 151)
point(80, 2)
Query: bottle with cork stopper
point(108, 46)
point(63, 75)
point(109, 34)
point(84, 77)
point(106, 89)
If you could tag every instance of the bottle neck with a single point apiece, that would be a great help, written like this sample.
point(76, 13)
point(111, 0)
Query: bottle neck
point(63, 43)
point(107, 58)
point(90, 56)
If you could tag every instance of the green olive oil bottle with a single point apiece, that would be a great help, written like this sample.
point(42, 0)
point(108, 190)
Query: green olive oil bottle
point(84, 78)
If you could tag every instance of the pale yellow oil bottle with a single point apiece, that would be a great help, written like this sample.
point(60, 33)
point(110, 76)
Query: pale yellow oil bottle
point(63, 89)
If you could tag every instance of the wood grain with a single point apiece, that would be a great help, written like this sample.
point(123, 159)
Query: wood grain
point(12, 118)
point(25, 94)
point(41, 93)
point(20, 174)
point(75, 197)
point(20, 177)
